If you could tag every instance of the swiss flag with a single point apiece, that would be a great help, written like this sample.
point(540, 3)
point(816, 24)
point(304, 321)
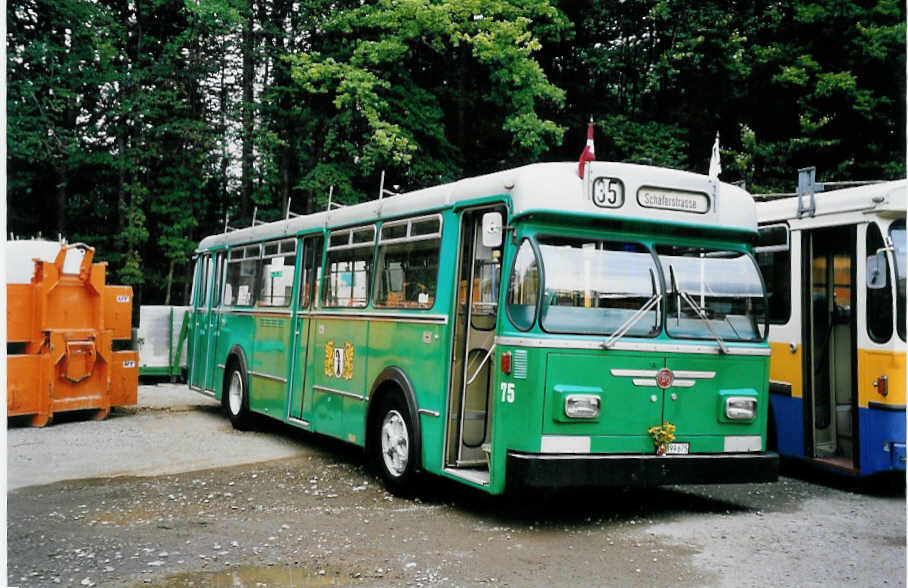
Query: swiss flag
point(589, 152)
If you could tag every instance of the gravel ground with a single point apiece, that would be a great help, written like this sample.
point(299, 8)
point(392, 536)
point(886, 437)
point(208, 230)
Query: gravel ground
point(301, 510)
point(167, 432)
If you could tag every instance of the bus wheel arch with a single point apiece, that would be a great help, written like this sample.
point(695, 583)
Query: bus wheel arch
point(392, 393)
point(235, 389)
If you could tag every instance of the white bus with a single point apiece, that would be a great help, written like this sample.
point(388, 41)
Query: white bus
point(834, 267)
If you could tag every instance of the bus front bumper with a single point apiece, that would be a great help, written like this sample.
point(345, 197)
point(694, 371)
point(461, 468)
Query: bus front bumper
point(570, 470)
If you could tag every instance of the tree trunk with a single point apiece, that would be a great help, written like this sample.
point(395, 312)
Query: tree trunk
point(61, 203)
point(169, 283)
point(248, 114)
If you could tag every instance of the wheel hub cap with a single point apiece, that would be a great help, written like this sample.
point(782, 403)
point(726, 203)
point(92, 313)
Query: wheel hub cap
point(395, 443)
point(235, 394)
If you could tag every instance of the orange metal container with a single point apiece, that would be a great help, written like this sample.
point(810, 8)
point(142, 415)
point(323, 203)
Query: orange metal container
point(62, 328)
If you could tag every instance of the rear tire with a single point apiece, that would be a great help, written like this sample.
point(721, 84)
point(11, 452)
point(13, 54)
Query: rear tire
point(236, 398)
point(394, 447)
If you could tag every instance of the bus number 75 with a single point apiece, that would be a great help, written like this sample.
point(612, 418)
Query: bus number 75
point(507, 392)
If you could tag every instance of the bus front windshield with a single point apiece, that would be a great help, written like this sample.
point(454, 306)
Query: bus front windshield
point(712, 294)
point(597, 287)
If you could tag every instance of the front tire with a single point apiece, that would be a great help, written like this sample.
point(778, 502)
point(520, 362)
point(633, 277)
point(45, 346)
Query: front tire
point(236, 398)
point(394, 452)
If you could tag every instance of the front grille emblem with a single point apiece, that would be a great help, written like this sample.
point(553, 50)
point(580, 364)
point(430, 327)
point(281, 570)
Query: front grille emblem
point(664, 378)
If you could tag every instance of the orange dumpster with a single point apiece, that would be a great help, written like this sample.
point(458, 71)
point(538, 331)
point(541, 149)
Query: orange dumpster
point(61, 329)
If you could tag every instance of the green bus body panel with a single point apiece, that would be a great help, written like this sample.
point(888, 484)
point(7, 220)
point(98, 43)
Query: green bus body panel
point(270, 357)
point(236, 330)
point(625, 410)
point(699, 410)
point(340, 361)
point(420, 352)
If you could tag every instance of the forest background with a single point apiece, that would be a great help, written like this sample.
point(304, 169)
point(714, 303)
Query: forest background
point(137, 126)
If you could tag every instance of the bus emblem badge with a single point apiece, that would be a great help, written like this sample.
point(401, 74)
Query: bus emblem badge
point(664, 378)
point(339, 360)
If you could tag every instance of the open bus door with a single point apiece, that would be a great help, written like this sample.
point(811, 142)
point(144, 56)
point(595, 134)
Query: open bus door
point(476, 312)
point(829, 300)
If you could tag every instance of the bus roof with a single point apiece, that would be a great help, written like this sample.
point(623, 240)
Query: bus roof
point(649, 193)
point(885, 198)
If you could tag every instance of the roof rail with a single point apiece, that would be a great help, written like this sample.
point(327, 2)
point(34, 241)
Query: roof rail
point(808, 187)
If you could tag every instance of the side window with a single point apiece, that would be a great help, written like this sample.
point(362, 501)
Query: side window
point(486, 279)
point(242, 272)
point(348, 270)
point(523, 290)
point(194, 292)
point(408, 257)
point(278, 270)
point(312, 265)
point(202, 272)
point(879, 297)
point(773, 253)
point(218, 281)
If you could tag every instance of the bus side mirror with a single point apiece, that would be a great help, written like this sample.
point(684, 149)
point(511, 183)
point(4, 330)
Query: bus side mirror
point(491, 229)
point(876, 271)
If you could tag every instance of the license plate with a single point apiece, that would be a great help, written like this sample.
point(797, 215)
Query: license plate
point(678, 449)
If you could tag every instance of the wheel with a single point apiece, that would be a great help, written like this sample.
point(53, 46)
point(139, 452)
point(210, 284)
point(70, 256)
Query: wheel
point(236, 400)
point(394, 450)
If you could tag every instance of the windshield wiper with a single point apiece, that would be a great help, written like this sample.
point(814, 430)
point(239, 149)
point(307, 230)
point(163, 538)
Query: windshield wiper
point(700, 312)
point(635, 318)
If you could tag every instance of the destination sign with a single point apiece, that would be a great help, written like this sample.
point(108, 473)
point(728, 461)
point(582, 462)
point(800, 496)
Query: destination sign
point(673, 200)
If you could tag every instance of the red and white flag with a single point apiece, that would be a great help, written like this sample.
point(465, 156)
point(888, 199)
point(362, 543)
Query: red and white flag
point(589, 152)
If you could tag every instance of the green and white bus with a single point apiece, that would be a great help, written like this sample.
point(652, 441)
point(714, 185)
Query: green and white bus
point(524, 328)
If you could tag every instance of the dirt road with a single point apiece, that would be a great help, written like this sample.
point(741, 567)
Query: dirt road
point(303, 511)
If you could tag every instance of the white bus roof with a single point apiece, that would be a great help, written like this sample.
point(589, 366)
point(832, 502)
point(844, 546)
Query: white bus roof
point(885, 198)
point(652, 194)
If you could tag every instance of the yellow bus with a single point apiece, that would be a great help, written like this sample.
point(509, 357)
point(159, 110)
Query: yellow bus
point(834, 267)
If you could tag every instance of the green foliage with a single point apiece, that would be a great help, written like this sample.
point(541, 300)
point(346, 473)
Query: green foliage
point(396, 84)
point(128, 122)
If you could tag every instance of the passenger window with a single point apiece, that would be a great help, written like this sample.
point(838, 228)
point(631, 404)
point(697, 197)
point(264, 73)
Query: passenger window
point(523, 290)
point(408, 255)
point(486, 277)
point(349, 268)
point(202, 293)
point(312, 265)
point(773, 254)
point(879, 300)
point(218, 281)
point(278, 269)
point(242, 274)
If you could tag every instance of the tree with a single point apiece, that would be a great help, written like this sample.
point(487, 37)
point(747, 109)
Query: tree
point(427, 90)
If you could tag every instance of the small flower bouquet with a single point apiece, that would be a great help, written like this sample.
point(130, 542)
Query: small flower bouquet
point(662, 435)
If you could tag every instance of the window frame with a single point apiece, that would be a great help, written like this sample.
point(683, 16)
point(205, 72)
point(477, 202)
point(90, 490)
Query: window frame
point(407, 238)
point(230, 259)
point(714, 248)
point(899, 313)
point(772, 249)
point(349, 245)
point(540, 286)
point(646, 246)
point(280, 251)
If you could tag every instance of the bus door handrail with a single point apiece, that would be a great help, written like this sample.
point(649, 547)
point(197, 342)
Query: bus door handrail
point(482, 363)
